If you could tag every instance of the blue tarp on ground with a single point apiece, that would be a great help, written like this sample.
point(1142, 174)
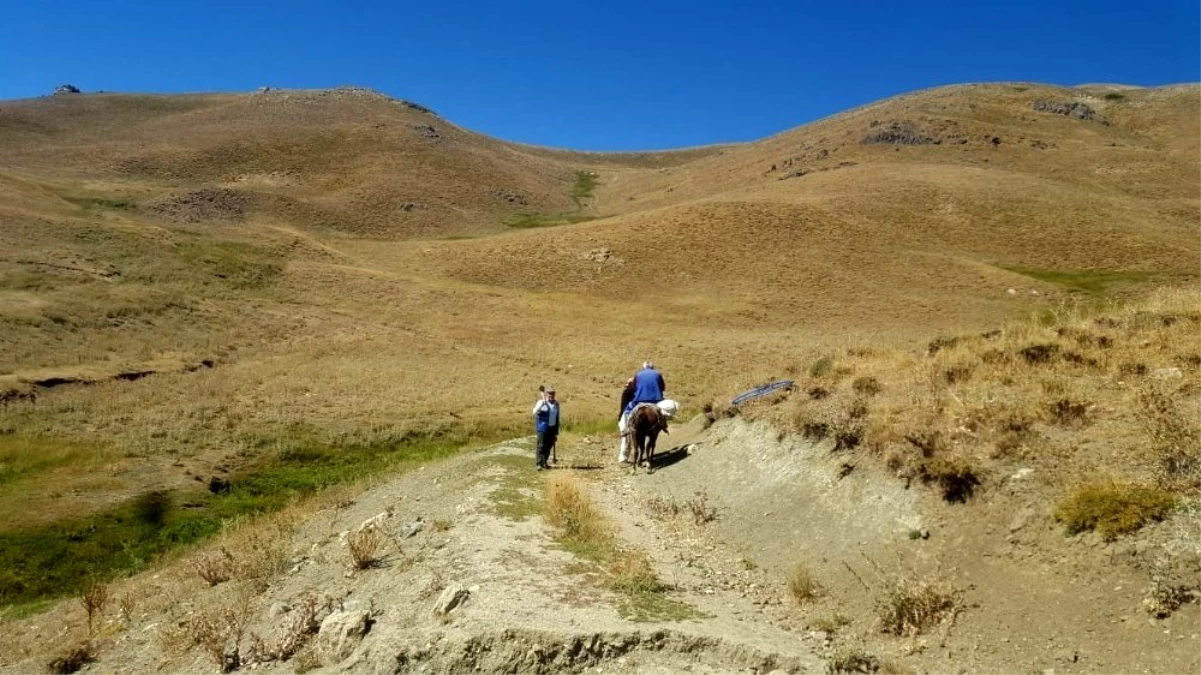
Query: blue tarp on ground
point(761, 391)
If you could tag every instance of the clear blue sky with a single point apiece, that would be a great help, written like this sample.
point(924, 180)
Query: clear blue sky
point(598, 75)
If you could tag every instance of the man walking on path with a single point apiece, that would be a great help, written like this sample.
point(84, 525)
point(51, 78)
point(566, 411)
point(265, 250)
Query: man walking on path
point(647, 386)
point(546, 425)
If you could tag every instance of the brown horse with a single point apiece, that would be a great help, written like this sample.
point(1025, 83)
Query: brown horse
point(644, 425)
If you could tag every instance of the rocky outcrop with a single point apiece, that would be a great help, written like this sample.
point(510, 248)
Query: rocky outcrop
point(1074, 109)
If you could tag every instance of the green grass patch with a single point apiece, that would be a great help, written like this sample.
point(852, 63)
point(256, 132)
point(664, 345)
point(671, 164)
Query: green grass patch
point(55, 560)
point(1114, 96)
point(583, 188)
point(1087, 282)
point(517, 497)
point(1113, 508)
point(656, 606)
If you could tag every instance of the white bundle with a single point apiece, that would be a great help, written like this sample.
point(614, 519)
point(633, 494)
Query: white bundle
point(668, 407)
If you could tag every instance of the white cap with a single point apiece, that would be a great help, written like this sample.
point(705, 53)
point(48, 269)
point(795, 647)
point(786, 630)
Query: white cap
point(647, 364)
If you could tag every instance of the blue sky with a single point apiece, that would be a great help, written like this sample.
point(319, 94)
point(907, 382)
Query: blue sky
point(598, 76)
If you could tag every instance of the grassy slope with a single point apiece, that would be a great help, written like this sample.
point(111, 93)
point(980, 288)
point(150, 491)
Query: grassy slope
point(318, 276)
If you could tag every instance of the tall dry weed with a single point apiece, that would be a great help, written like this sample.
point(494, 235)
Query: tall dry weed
point(570, 510)
point(1175, 439)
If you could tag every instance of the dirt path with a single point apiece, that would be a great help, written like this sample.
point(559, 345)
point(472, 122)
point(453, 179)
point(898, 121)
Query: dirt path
point(527, 605)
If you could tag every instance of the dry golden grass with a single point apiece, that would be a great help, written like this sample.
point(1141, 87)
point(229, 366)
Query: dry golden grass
point(366, 548)
point(1063, 392)
point(802, 585)
point(578, 519)
point(909, 605)
point(1113, 507)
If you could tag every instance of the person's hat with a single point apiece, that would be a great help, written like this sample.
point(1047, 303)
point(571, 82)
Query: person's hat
point(647, 364)
point(550, 390)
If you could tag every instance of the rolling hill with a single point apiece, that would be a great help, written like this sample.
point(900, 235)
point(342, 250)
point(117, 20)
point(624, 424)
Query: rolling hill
point(356, 266)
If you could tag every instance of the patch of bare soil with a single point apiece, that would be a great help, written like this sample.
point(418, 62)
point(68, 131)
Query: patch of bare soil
point(839, 556)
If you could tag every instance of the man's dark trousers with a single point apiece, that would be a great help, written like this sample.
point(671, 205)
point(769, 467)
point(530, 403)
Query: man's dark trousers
point(546, 441)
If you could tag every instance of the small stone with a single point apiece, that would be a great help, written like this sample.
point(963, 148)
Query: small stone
point(341, 632)
point(453, 596)
point(411, 529)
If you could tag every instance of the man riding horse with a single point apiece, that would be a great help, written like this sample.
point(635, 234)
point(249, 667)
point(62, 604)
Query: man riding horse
point(647, 386)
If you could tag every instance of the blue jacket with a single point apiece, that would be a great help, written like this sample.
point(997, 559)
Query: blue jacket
point(648, 387)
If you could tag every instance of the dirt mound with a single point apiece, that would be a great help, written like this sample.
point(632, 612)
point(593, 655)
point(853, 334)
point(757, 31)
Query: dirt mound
point(203, 205)
point(514, 651)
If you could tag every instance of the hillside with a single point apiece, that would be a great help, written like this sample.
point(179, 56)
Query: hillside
point(235, 300)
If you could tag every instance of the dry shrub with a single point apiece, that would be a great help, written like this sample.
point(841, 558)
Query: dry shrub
point(663, 508)
point(126, 605)
point(847, 435)
point(217, 629)
point(215, 567)
point(301, 624)
point(866, 386)
point(907, 604)
point(365, 548)
point(1009, 444)
point(831, 624)
point(1164, 598)
point(93, 597)
point(850, 660)
point(954, 476)
point(1175, 443)
point(1132, 369)
point(1067, 412)
point(801, 584)
point(631, 572)
point(814, 431)
point(250, 549)
point(574, 514)
point(821, 367)
point(73, 659)
point(1113, 507)
point(1040, 354)
point(699, 506)
point(958, 373)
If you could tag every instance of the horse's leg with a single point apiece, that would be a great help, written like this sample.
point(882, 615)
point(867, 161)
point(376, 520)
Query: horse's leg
point(650, 450)
point(640, 448)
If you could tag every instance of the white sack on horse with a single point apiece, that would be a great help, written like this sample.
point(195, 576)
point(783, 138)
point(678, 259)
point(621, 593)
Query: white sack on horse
point(668, 407)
